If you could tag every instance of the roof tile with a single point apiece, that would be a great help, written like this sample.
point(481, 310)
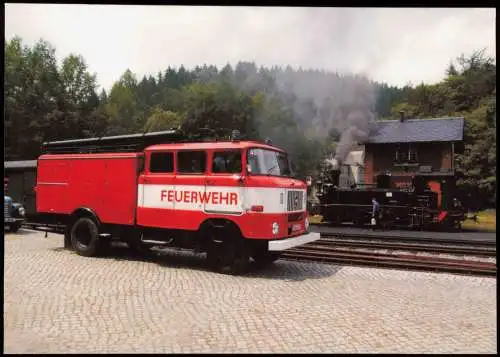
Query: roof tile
point(417, 130)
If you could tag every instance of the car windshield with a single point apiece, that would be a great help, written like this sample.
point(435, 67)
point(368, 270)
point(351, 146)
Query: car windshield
point(268, 162)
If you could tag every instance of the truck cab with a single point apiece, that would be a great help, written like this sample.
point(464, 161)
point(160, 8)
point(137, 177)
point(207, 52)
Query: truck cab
point(247, 183)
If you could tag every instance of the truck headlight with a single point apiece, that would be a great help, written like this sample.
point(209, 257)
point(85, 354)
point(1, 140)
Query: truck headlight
point(22, 211)
point(276, 228)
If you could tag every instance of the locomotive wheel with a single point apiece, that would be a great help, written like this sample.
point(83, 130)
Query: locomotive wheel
point(85, 237)
point(14, 227)
point(264, 257)
point(227, 256)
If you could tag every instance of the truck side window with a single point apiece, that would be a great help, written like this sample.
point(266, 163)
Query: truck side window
point(226, 162)
point(191, 162)
point(161, 162)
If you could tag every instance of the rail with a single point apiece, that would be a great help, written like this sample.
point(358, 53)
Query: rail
point(344, 252)
point(413, 247)
point(407, 239)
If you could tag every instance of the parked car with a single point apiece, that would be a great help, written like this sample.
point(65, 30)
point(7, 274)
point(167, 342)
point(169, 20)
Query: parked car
point(14, 214)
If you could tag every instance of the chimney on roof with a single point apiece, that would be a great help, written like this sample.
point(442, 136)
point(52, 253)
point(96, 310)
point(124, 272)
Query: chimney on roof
point(401, 115)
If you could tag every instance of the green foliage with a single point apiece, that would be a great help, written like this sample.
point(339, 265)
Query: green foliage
point(162, 120)
point(79, 85)
point(122, 109)
point(44, 102)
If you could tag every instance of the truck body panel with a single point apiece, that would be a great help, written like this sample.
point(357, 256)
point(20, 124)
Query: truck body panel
point(104, 183)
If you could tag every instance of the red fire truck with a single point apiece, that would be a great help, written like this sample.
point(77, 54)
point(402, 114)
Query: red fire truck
point(232, 199)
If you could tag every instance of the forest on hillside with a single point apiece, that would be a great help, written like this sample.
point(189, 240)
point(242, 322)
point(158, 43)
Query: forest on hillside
point(304, 111)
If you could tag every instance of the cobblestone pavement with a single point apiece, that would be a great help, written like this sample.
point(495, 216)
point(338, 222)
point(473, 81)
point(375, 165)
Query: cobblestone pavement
point(58, 302)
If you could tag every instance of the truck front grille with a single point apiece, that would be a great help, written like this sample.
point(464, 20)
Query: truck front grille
point(295, 217)
point(295, 201)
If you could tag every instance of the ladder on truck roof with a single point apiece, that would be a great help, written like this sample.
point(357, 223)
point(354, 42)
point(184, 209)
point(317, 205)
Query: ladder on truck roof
point(138, 142)
point(113, 144)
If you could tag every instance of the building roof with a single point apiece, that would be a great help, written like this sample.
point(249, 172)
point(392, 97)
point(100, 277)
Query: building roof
point(417, 130)
point(19, 164)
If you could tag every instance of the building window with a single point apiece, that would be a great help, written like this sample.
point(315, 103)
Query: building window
point(406, 153)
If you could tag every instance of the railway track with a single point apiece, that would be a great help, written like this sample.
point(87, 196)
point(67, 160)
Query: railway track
point(345, 252)
point(414, 239)
point(449, 248)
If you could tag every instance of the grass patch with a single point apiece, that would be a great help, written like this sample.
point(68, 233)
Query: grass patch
point(315, 219)
point(486, 221)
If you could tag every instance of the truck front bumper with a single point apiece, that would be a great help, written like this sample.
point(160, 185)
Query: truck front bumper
point(283, 244)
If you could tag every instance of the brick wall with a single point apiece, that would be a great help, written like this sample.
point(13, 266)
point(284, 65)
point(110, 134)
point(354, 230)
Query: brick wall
point(446, 157)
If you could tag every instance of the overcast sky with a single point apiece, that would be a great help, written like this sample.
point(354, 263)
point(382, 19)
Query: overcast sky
point(395, 46)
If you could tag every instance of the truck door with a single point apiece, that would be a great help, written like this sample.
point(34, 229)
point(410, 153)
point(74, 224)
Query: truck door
point(156, 191)
point(224, 188)
point(190, 194)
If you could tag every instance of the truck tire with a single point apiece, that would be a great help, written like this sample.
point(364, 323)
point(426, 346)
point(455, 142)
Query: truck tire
point(85, 237)
point(264, 257)
point(227, 254)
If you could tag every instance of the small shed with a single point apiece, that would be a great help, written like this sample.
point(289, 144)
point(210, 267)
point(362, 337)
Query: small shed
point(19, 183)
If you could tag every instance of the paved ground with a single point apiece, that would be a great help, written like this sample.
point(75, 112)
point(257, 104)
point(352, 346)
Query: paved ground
point(59, 302)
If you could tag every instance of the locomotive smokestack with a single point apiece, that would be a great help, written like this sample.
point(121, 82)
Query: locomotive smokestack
point(335, 164)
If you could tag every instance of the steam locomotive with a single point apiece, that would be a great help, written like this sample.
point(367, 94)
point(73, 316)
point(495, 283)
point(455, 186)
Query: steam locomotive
point(414, 207)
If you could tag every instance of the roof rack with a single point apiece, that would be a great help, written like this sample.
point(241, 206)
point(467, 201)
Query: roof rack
point(120, 143)
point(138, 142)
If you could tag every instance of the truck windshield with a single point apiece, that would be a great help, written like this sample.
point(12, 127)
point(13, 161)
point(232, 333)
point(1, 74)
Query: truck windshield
point(268, 162)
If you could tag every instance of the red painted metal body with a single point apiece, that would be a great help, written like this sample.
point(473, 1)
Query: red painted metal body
point(104, 183)
point(120, 189)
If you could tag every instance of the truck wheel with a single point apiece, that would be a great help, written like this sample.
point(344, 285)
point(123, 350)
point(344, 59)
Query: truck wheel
point(85, 237)
point(265, 257)
point(229, 256)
